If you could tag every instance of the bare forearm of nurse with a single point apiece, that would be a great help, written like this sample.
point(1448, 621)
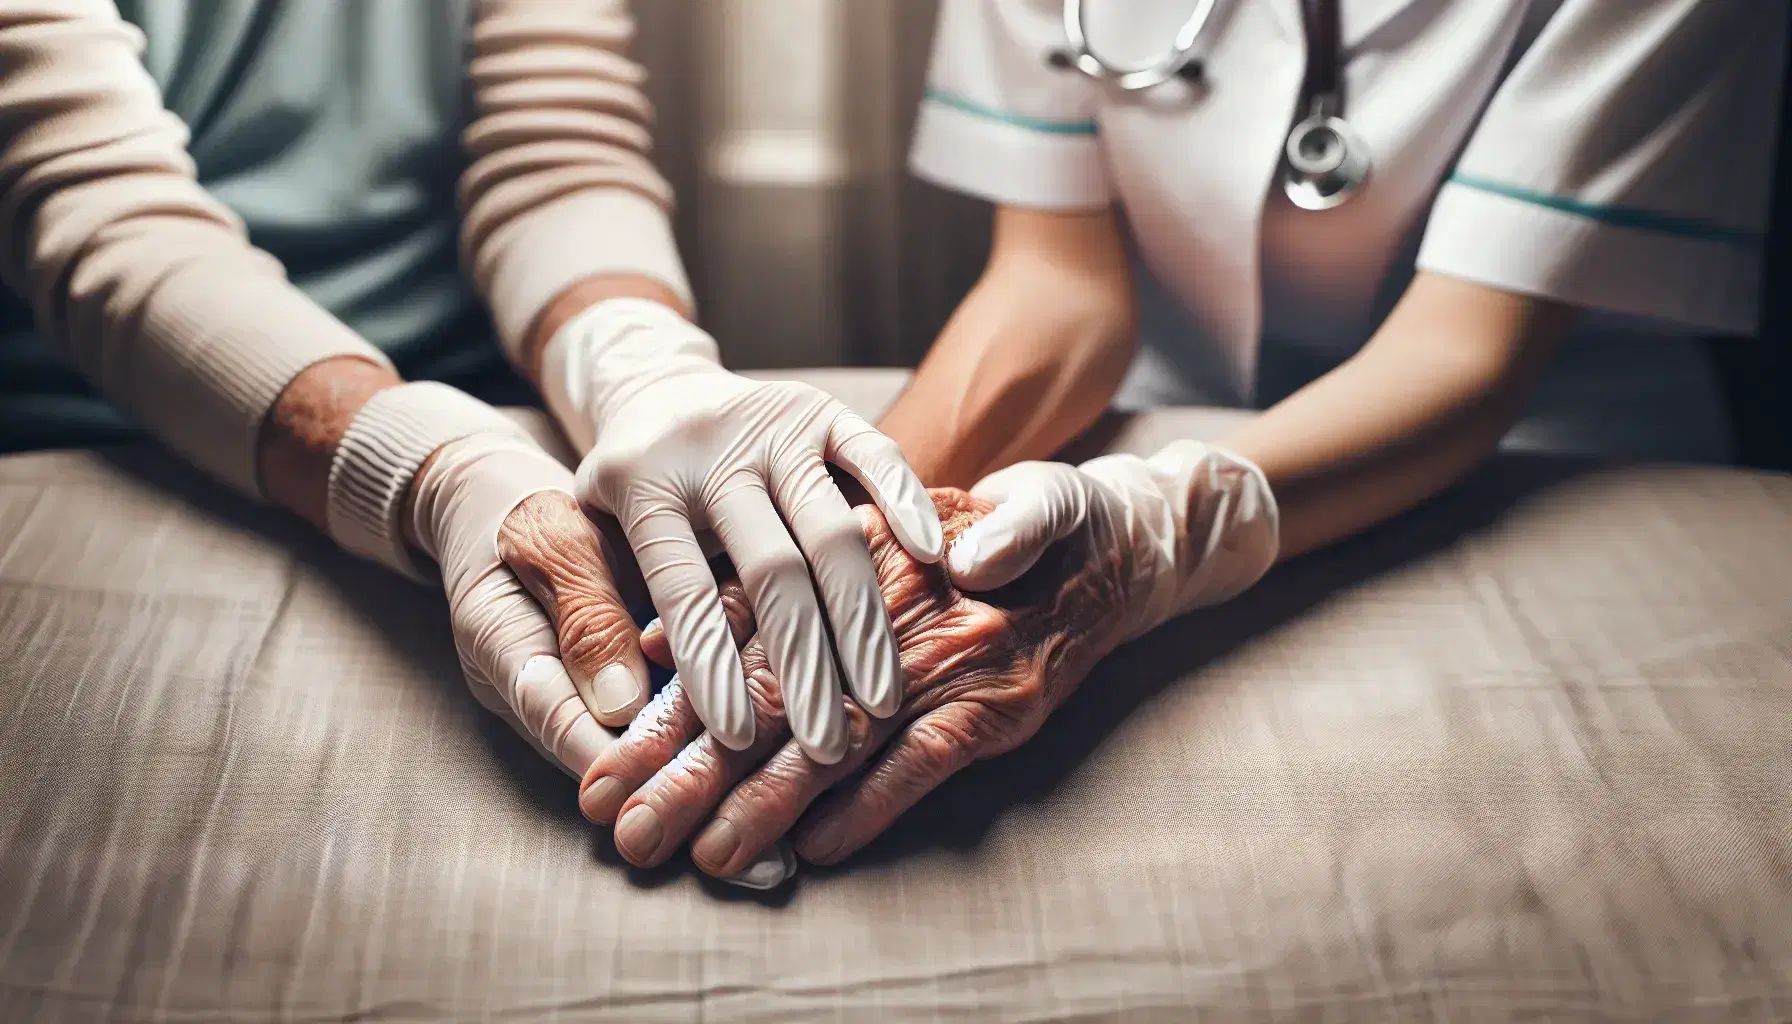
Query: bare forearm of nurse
point(1032, 356)
point(1425, 402)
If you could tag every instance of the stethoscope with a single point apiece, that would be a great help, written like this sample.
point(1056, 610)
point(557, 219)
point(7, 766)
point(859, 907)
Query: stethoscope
point(1324, 162)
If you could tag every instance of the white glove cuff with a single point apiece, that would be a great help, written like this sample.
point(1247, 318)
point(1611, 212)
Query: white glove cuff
point(1203, 525)
point(386, 444)
point(608, 349)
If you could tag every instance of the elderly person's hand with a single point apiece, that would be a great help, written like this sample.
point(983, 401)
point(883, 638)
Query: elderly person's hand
point(1108, 545)
point(543, 634)
point(980, 675)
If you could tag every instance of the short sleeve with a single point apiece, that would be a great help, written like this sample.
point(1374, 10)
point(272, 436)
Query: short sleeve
point(998, 120)
point(1626, 163)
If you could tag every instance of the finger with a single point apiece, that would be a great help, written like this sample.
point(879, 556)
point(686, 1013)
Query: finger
point(653, 739)
point(829, 533)
point(931, 750)
point(767, 803)
point(1038, 504)
point(778, 586)
point(658, 818)
point(877, 463)
point(556, 554)
point(734, 605)
point(684, 591)
point(578, 745)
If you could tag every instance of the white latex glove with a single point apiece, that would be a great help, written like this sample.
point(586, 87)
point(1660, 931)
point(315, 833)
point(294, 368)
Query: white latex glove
point(509, 648)
point(678, 445)
point(1190, 527)
point(494, 511)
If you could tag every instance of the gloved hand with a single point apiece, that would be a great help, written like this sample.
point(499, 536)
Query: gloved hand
point(1193, 526)
point(544, 637)
point(497, 514)
point(1143, 540)
point(677, 445)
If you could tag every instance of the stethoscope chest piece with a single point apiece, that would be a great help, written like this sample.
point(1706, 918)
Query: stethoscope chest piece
point(1326, 162)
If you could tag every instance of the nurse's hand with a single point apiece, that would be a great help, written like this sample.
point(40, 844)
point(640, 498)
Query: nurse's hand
point(678, 445)
point(979, 676)
point(1191, 526)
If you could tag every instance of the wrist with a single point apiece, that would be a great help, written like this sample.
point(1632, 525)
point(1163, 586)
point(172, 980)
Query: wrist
point(383, 457)
point(302, 431)
point(609, 352)
point(567, 305)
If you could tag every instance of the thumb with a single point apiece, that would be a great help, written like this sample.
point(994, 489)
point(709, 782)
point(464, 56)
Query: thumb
point(1039, 504)
point(556, 553)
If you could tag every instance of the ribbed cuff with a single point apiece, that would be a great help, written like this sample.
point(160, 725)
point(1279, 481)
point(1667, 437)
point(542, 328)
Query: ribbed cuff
point(208, 365)
point(386, 444)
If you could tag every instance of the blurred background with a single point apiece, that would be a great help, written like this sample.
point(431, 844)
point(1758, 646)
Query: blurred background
point(784, 126)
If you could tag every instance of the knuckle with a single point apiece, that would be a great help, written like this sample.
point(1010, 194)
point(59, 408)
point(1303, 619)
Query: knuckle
point(774, 790)
point(859, 729)
point(594, 632)
point(609, 470)
point(763, 689)
point(662, 720)
point(694, 771)
point(941, 744)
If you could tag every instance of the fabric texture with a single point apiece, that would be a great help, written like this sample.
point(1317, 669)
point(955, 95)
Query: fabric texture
point(1525, 755)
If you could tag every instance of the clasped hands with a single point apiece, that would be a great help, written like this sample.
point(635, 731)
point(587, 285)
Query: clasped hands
point(1049, 567)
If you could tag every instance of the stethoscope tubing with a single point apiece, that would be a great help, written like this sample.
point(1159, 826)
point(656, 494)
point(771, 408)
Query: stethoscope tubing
point(1173, 64)
point(1317, 187)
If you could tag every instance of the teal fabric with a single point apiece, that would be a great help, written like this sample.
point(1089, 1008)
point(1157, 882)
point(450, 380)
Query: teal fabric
point(333, 128)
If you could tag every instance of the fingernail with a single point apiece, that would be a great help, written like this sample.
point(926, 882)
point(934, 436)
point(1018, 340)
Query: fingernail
point(768, 870)
point(653, 625)
point(615, 689)
point(715, 847)
point(825, 842)
point(602, 799)
point(638, 834)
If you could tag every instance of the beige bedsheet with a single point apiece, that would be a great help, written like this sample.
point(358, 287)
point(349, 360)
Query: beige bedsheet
point(1526, 756)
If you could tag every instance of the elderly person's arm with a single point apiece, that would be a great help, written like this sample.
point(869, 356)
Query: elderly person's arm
point(1139, 541)
point(150, 287)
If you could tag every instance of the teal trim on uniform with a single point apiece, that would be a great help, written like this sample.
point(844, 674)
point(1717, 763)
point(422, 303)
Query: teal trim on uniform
point(1032, 124)
point(1618, 216)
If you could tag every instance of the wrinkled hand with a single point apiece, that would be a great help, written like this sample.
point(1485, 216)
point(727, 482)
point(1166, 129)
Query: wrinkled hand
point(544, 637)
point(980, 674)
point(677, 445)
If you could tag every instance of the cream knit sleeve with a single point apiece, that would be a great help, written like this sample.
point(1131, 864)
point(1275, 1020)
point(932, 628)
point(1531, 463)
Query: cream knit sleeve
point(147, 284)
point(560, 187)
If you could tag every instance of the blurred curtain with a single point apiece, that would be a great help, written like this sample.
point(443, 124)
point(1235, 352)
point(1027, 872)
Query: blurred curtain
point(784, 125)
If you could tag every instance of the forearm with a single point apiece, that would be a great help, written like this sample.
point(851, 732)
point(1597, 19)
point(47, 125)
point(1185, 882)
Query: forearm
point(1030, 359)
point(563, 208)
point(144, 282)
point(1420, 406)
